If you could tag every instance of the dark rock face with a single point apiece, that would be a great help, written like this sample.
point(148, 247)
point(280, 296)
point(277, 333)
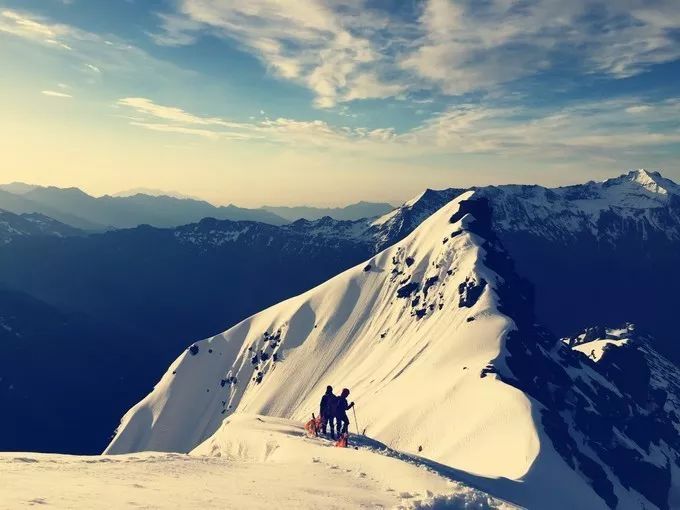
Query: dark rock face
point(594, 268)
point(470, 291)
point(408, 289)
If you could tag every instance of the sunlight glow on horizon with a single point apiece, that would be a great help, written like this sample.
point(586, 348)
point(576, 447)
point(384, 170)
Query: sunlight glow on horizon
point(198, 104)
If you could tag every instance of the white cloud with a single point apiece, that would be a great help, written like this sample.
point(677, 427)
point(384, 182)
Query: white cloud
point(330, 47)
point(575, 131)
point(111, 55)
point(468, 45)
point(171, 113)
point(54, 93)
point(30, 27)
point(343, 50)
point(593, 128)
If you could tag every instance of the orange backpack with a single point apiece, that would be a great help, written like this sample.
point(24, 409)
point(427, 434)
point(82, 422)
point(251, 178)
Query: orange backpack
point(313, 426)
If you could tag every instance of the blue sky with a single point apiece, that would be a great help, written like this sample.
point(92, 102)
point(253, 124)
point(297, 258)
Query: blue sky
point(327, 102)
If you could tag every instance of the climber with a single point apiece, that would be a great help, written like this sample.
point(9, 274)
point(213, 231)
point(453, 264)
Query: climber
point(327, 411)
point(341, 408)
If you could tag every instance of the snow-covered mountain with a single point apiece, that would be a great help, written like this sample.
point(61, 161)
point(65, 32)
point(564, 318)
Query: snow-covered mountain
point(609, 252)
point(436, 338)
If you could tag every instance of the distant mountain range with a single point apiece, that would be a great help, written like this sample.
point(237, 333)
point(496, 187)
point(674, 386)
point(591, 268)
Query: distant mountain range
point(350, 212)
point(78, 209)
point(153, 192)
point(596, 253)
point(146, 206)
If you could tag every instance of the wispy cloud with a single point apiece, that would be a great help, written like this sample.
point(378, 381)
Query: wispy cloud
point(348, 49)
point(330, 47)
point(310, 133)
point(592, 129)
point(54, 93)
point(30, 27)
point(467, 45)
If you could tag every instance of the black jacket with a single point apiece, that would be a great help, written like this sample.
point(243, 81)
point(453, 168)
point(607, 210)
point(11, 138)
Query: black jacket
point(341, 406)
point(327, 406)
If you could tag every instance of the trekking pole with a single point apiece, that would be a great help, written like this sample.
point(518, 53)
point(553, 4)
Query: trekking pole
point(356, 423)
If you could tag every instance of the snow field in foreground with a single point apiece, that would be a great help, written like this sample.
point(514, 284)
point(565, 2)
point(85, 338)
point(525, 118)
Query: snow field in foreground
point(252, 462)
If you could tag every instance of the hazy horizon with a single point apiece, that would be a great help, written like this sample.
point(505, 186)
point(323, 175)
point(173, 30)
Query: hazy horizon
point(178, 194)
point(261, 102)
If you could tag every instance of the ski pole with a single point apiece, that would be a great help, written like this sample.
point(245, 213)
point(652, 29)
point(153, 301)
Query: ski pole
point(356, 423)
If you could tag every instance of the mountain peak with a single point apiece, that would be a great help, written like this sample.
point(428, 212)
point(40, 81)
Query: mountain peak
point(651, 181)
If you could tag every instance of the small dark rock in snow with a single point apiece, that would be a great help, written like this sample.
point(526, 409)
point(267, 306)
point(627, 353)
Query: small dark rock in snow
point(470, 291)
point(210, 351)
point(193, 350)
point(409, 261)
point(489, 369)
point(429, 283)
point(174, 372)
point(407, 290)
point(470, 319)
point(367, 268)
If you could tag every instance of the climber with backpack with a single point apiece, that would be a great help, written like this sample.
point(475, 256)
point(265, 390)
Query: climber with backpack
point(327, 412)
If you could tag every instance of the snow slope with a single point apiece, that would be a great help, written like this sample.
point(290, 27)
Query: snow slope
point(356, 331)
point(435, 337)
point(411, 332)
point(252, 462)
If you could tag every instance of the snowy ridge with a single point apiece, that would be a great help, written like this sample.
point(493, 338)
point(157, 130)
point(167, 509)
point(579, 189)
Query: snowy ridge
point(370, 328)
point(412, 332)
point(641, 200)
point(435, 336)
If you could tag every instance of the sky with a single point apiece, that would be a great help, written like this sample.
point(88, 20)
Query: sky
point(326, 102)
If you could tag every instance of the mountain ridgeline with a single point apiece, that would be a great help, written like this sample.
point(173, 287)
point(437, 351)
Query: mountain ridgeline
point(78, 209)
point(436, 335)
point(596, 253)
